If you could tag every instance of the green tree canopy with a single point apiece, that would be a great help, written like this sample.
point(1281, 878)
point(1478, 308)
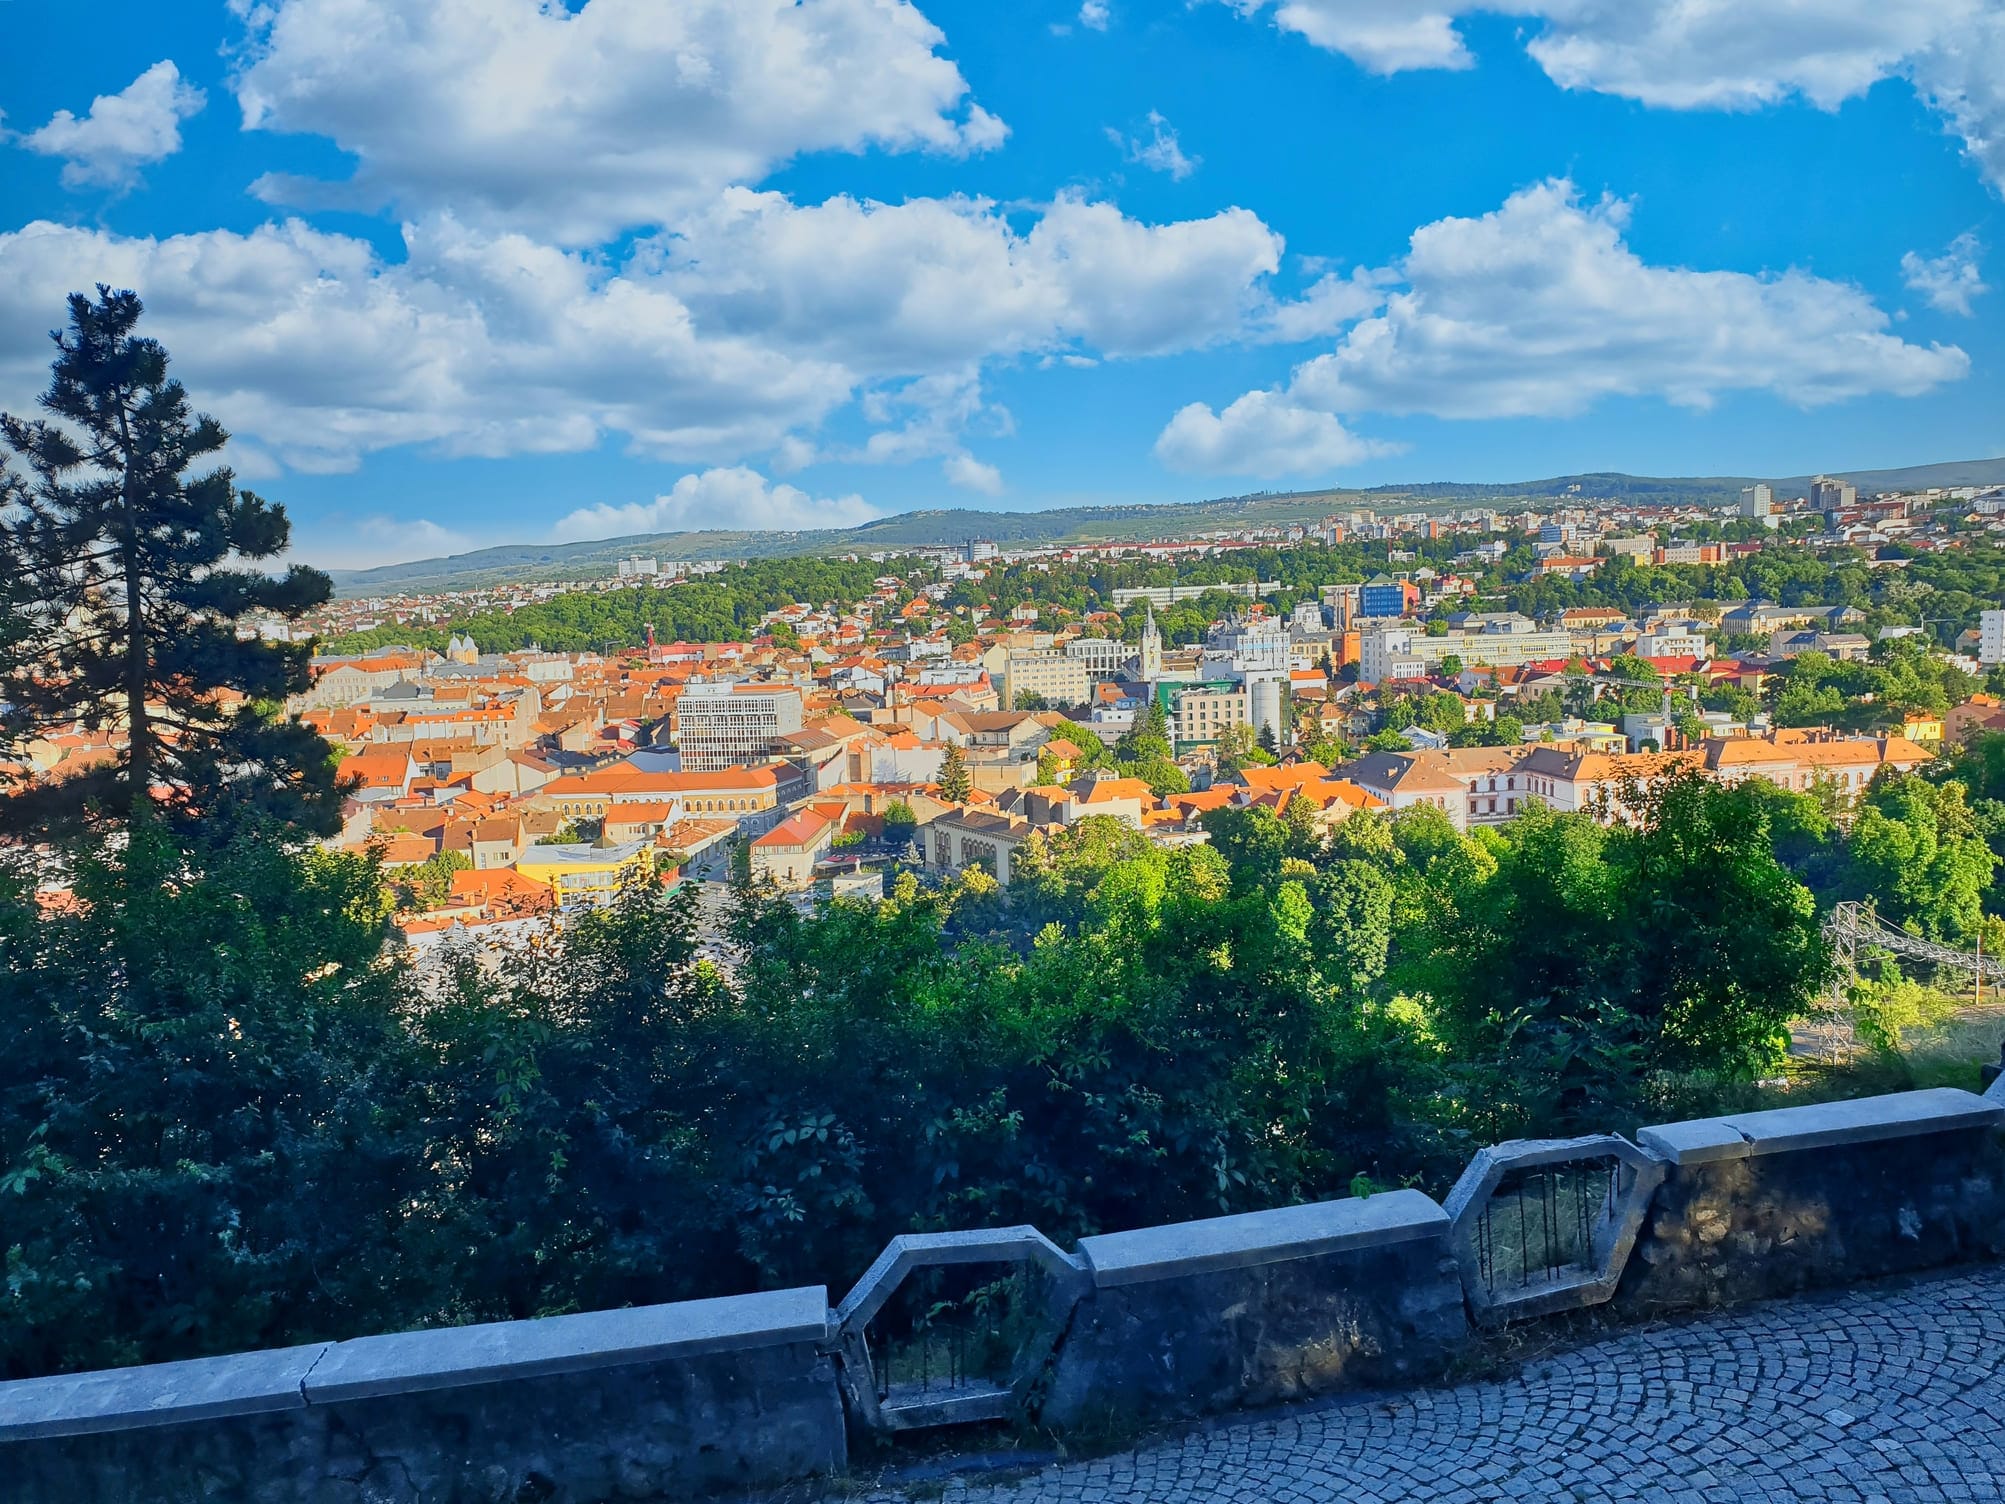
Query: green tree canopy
point(129, 582)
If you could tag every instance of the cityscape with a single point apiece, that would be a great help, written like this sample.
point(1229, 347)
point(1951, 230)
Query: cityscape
point(886, 750)
point(1410, 685)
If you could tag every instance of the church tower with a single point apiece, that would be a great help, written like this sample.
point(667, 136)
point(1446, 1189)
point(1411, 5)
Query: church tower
point(1152, 648)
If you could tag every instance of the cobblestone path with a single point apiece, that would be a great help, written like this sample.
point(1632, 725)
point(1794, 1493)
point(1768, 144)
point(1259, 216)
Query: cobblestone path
point(1888, 1393)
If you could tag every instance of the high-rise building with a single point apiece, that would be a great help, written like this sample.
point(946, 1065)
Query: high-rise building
point(1383, 597)
point(1828, 495)
point(734, 725)
point(638, 566)
point(1757, 501)
point(1991, 637)
point(1058, 678)
point(1198, 713)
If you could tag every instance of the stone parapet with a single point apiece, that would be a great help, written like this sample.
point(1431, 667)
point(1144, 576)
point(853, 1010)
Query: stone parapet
point(610, 1404)
point(1135, 1328)
point(1770, 1203)
point(1205, 1316)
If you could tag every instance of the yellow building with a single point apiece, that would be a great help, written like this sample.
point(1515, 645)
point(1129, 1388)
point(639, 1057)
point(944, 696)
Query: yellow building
point(1926, 730)
point(586, 873)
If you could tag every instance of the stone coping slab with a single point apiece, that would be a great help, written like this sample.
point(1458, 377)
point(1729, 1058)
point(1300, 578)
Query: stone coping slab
point(159, 1394)
point(447, 1357)
point(156, 1394)
point(1822, 1125)
point(1254, 1238)
point(1697, 1142)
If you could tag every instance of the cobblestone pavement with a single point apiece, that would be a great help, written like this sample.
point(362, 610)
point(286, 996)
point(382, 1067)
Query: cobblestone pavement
point(1887, 1393)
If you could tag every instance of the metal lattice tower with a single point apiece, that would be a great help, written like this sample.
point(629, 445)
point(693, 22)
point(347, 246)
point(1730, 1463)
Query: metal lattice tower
point(1853, 925)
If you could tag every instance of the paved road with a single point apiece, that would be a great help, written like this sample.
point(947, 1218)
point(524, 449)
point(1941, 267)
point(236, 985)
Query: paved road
point(1887, 1394)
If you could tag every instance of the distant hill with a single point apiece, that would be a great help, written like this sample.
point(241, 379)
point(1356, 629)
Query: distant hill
point(927, 529)
point(946, 528)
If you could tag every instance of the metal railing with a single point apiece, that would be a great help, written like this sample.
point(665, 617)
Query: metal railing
point(1540, 1224)
point(951, 1327)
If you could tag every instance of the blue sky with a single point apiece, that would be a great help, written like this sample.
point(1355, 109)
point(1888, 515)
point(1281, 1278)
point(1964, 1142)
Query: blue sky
point(468, 271)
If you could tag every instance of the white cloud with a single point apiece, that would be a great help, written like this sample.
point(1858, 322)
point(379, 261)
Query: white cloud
point(1162, 152)
point(318, 351)
point(1263, 434)
point(735, 499)
point(1753, 53)
point(1329, 304)
point(366, 542)
point(1093, 15)
point(1951, 281)
point(577, 123)
point(121, 132)
point(1542, 309)
point(1963, 75)
point(932, 284)
point(971, 474)
point(1385, 36)
point(1703, 54)
point(736, 338)
point(1130, 288)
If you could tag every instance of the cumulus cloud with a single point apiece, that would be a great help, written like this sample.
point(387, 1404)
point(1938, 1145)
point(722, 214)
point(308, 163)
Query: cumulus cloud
point(1949, 282)
point(1094, 15)
point(1264, 434)
point(312, 346)
point(366, 542)
point(1386, 36)
point(1161, 152)
point(971, 474)
point(934, 283)
point(1541, 309)
point(735, 499)
point(1330, 303)
point(577, 122)
point(1675, 54)
point(121, 132)
point(735, 338)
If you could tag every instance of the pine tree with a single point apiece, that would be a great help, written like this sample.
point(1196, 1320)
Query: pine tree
point(126, 582)
point(955, 785)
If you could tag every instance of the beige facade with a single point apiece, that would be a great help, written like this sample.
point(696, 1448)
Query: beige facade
point(1059, 677)
point(1199, 714)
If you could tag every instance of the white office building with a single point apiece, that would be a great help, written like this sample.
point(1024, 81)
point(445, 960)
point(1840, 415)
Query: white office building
point(734, 725)
point(1501, 641)
point(1991, 638)
point(1102, 656)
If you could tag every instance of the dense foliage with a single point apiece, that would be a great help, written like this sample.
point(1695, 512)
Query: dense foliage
point(274, 1130)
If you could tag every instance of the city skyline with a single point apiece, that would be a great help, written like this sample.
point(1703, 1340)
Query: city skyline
point(461, 275)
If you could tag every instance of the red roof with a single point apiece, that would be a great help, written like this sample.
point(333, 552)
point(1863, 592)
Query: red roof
point(800, 830)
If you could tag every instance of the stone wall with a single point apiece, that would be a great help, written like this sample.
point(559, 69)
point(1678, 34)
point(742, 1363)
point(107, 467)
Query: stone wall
point(1145, 1326)
point(663, 1400)
point(1208, 1316)
point(1769, 1203)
